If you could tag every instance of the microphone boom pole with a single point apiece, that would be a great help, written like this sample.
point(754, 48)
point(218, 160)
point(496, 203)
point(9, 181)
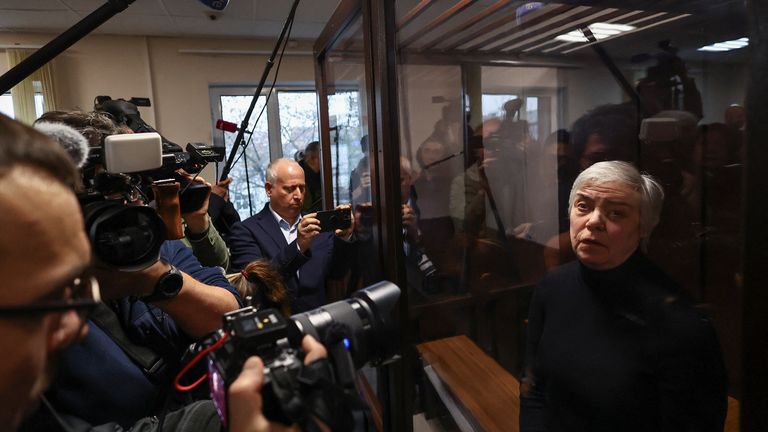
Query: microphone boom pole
point(239, 139)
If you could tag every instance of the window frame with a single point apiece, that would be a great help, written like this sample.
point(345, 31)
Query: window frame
point(217, 90)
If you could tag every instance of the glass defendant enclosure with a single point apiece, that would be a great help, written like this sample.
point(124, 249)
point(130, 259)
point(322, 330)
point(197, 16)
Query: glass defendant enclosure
point(455, 129)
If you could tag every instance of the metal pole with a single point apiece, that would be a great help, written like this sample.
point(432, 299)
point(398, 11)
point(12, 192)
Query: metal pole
point(239, 140)
point(61, 43)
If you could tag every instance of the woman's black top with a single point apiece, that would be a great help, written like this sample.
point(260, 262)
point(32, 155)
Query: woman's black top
point(620, 350)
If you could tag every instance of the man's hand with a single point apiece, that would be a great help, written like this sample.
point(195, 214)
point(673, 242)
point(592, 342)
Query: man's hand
point(365, 179)
point(308, 229)
point(409, 217)
point(523, 231)
point(222, 188)
point(410, 222)
point(245, 401)
point(347, 232)
point(197, 221)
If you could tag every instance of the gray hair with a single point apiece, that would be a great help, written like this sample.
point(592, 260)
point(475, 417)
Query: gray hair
point(651, 192)
point(271, 176)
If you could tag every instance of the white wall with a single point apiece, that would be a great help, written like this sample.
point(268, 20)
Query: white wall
point(177, 84)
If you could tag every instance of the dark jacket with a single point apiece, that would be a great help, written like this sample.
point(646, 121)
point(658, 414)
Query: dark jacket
point(259, 236)
point(620, 350)
point(99, 383)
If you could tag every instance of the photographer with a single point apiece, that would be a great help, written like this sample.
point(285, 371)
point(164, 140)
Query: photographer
point(48, 294)
point(295, 245)
point(138, 340)
point(200, 234)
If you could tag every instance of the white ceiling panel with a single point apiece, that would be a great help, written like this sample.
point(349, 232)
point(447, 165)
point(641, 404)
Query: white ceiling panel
point(242, 18)
point(147, 25)
point(32, 5)
point(307, 11)
point(18, 20)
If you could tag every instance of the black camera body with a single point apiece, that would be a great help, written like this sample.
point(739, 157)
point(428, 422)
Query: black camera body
point(194, 159)
point(264, 333)
point(356, 331)
point(331, 220)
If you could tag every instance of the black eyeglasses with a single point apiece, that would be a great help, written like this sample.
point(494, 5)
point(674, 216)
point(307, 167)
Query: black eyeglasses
point(84, 297)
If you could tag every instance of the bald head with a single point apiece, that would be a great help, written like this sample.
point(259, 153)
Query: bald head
point(285, 187)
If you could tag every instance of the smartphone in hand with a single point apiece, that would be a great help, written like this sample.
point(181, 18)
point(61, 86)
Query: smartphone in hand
point(331, 220)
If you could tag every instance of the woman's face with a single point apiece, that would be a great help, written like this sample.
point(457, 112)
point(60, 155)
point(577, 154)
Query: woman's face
point(605, 224)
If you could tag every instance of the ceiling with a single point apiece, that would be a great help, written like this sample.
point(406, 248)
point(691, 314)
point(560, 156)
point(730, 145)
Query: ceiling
point(241, 18)
point(510, 30)
point(437, 26)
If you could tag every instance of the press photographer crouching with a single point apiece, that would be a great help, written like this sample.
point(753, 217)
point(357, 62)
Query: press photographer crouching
point(49, 294)
point(159, 297)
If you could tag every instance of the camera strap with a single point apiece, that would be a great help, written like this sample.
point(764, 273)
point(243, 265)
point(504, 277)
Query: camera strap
point(152, 364)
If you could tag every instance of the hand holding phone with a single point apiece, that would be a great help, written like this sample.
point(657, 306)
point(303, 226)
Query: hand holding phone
point(331, 220)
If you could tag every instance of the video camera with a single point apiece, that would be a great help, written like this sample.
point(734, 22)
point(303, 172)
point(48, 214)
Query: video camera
point(172, 155)
point(125, 168)
point(356, 332)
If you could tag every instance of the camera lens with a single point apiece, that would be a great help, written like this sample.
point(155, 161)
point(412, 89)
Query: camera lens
point(125, 237)
point(367, 316)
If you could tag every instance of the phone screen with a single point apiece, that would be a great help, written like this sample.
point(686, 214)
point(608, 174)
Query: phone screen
point(218, 391)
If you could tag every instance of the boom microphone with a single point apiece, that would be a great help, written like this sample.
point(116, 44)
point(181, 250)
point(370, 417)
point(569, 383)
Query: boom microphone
point(72, 141)
point(218, 5)
point(226, 126)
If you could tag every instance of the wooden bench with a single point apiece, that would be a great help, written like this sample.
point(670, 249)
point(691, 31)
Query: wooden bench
point(483, 394)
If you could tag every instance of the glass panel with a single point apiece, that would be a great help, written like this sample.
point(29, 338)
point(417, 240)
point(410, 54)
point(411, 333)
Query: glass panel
point(351, 176)
point(247, 189)
point(298, 120)
point(347, 149)
point(502, 105)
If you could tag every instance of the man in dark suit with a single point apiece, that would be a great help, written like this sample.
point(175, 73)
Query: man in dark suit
point(304, 256)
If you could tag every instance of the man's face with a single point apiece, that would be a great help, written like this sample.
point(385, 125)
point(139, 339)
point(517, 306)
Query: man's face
point(605, 224)
point(43, 248)
point(313, 160)
point(286, 195)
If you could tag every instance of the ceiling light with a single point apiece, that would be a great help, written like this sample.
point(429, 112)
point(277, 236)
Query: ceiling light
point(726, 46)
point(599, 30)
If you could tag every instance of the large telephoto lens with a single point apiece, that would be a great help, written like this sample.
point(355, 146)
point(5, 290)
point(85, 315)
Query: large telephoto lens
point(366, 316)
point(124, 237)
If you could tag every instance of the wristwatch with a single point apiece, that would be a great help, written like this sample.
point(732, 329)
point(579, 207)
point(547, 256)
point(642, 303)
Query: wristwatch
point(167, 287)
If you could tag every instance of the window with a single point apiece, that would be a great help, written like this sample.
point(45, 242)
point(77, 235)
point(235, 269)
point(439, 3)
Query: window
point(6, 104)
point(288, 123)
point(6, 101)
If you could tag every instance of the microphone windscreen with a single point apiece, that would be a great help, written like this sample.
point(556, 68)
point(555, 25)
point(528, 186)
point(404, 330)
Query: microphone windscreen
point(226, 126)
point(72, 141)
point(218, 5)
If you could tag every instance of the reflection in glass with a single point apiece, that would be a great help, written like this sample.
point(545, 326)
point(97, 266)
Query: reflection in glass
point(503, 104)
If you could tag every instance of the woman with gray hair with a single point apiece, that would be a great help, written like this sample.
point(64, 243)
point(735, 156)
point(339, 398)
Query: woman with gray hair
point(612, 345)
